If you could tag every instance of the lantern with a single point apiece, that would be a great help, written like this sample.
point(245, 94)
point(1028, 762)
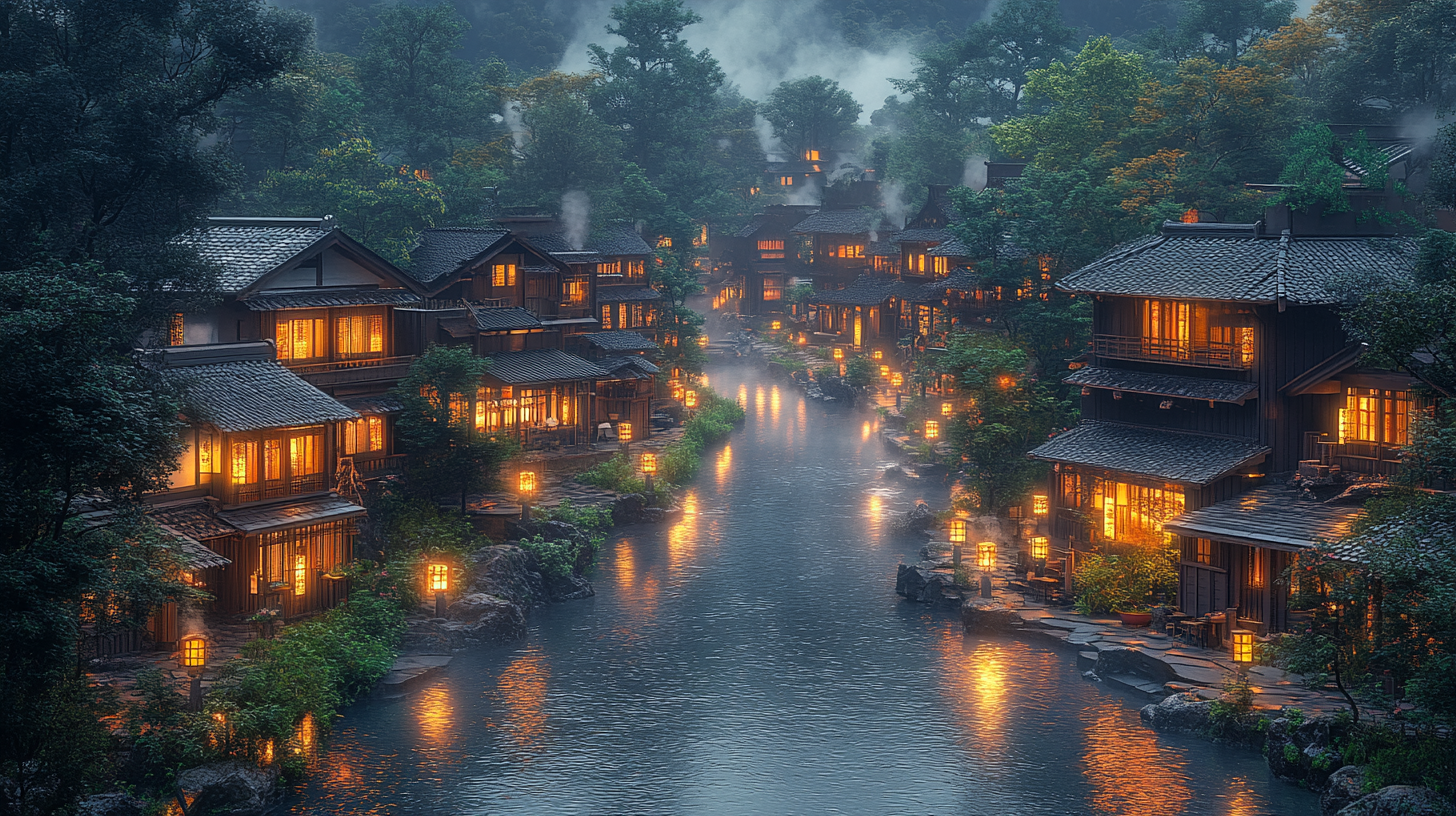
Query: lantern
point(885, 371)
point(690, 399)
point(877, 355)
point(439, 575)
point(1242, 641)
point(932, 429)
point(839, 354)
point(897, 380)
point(1040, 547)
point(624, 431)
point(526, 482)
point(1040, 505)
point(947, 409)
point(702, 341)
point(194, 653)
point(649, 463)
point(986, 556)
point(957, 530)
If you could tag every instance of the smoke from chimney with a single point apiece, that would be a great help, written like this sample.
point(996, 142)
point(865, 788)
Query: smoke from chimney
point(576, 217)
point(974, 175)
point(511, 115)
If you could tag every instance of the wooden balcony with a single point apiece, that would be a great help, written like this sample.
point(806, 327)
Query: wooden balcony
point(1206, 355)
point(354, 372)
point(275, 488)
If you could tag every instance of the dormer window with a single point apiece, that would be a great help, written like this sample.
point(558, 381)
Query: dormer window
point(503, 274)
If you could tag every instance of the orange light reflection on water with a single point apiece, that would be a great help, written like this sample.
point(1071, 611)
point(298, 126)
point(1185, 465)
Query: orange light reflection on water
point(435, 716)
point(724, 464)
point(975, 683)
point(682, 538)
point(1130, 772)
point(521, 691)
point(774, 404)
point(760, 405)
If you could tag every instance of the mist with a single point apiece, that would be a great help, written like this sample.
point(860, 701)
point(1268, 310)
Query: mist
point(576, 216)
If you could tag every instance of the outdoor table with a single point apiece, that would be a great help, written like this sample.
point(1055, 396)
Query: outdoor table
point(1044, 587)
point(1197, 632)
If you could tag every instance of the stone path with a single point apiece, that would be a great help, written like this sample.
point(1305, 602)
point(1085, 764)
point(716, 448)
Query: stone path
point(557, 476)
point(225, 641)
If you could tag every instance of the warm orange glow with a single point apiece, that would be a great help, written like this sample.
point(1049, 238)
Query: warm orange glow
point(776, 325)
point(986, 556)
point(1005, 381)
point(877, 355)
point(703, 341)
point(649, 463)
point(439, 577)
point(690, 399)
point(624, 431)
point(1191, 216)
point(526, 482)
point(957, 531)
point(897, 379)
point(435, 715)
point(1243, 646)
point(194, 652)
point(932, 429)
point(839, 354)
point(1040, 505)
point(885, 371)
point(1040, 547)
point(300, 574)
point(947, 409)
point(521, 691)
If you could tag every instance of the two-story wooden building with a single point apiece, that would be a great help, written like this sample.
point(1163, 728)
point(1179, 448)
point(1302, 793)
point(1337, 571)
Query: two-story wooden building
point(1218, 359)
point(765, 255)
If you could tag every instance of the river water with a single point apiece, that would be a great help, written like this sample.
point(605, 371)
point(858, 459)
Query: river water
point(754, 658)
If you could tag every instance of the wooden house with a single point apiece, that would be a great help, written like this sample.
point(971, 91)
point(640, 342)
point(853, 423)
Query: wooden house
point(626, 393)
point(765, 255)
point(928, 232)
point(326, 302)
point(257, 479)
point(839, 244)
point(862, 316)
point(1218, 359)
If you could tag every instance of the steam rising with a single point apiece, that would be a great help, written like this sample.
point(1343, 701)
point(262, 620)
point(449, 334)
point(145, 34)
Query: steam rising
point(576, 217)
point(897, 209)
point(511, 114)
point(974, 175)
point(767, 141)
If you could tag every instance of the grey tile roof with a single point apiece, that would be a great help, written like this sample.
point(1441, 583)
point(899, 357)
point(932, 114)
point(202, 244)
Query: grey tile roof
point(382, 404)
point(635, 367)
point(1171, 455)
point(959, 280)
point(613, 240)
point(505, 318)
point(950, 249)
point(1165, 385)
point(923, 236)
point(753, 226)
point(325, 298)
point(1231, 262)
point(624, 294)
point(275, 517)
point(839, 222)
point(540, 366)
point(864, 291)
point(253, 395)
point(1425, 532)
point(195, 520)
point(441, 251)
point(883, 249)
point(620, 341)
point(244, 253)
point(1274, 516)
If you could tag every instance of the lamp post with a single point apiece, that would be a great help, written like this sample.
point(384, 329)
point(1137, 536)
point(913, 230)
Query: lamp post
point(838, 355)
point(1241, 642)
point(526, 484)
point(1040, 504)
point(690, 399)
point(947, 409)
point(1040, 549)
point(624, 436)
point(439, 579)
point(932, 430)
point(194, 659)
point(986, 560)
point(956, 529)
point(649, 467)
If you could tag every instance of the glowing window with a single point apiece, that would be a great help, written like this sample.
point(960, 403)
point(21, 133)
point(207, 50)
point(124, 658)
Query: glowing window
point(272, 459)
point(1373, 415)
point(176, 335)
point(300, 573)
point(811, 155)
point(786, 181)
point(359, 334)
point(304, 454)
point(244, 467)
point(609, 268)
point(773, 289)
point(301, 339)
point(503, 274)
point(364, 435)
point(607, 316)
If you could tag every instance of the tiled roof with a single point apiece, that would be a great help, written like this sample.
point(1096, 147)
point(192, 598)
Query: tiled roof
point(275, 517)
point(243, 253)
point(1165, 385)
point(959, 280)
point(1274, 517)
point(1171, 455)
point(322, 299)
point(754, 225)
point(1426, 532)
point(1231, 262)
point(195, 520)
point(923, 236)
point(864, 291)
point(441, 251)
point(253, 395)
point(839, 222)
point(383, 404)
point(623, 294)
point(632, 366)
point(541, 366)
point(952, 248)
point(620, 341)
point(883, 249)
point(505, 319)
point(618, 240)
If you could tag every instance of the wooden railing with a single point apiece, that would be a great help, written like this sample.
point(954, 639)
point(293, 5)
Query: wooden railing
point(277, 488)
point(346, 372)
point(1205, 355)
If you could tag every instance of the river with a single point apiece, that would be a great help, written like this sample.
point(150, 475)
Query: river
point(754, 658)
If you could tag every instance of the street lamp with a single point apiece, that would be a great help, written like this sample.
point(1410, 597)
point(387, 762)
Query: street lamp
point(838, 354)
point(649, 467)
point(624, 435)
point(194, 659)
point(1040, 505)
point(932, 429)
point(947, 409)
point(690, 399)
point(956, 529)
point(897, 379)
point(439, 580)
point(986, 556)
point(526, 484)
point(885, 372)
point(1040, 549)
point(1242, 641)
point(877, 355)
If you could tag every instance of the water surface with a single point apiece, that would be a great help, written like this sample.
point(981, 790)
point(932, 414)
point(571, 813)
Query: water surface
point(754, 658)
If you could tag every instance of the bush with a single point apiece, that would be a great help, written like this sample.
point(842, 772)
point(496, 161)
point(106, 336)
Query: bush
point(1123, 583)
point(859, 372)
point(556, 559)
point(617, 474)
point(1392, 758)
point(679, 462)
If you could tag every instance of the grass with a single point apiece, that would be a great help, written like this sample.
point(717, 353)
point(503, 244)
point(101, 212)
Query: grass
point(679, 462)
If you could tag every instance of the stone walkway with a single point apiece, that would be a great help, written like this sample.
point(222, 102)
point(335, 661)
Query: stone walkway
point(225, 641)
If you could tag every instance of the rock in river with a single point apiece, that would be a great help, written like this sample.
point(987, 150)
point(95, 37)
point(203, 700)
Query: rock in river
point(231, 789)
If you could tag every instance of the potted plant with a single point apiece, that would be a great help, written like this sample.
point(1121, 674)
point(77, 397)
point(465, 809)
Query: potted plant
point(1124, 584)
point(264, 620)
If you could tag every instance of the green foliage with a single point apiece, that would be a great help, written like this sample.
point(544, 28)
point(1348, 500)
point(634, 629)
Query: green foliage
point(859, 371)
point(558, 559)
point(618, 474)
point(593, 520)
point(1127, 582)
point(1295, 716)
point(55, 745)
point(812, 112)
point(1388, 757)
point(678, 463)
point(1313, 173)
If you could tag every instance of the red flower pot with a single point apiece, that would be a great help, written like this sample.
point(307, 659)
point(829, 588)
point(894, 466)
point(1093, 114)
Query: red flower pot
point(1135, 618)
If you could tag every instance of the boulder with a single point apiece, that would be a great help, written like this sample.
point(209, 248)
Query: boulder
point(922, 584)
point(634, 508)
point(893, 472)
point(230, 789)
point(570, 588)
point(1179, 713)
point(979, 616)
point(920, 519)
point(1400, 800)
point(488, 617)
point(110, 804)
point(1346, 786)
point(1135, 662)
point(505, 571)
point(1306, 753)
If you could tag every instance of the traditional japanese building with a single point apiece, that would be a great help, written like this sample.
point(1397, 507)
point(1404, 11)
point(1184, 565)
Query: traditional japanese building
point(1218, 359)
point(765, 256)
point(838, 243)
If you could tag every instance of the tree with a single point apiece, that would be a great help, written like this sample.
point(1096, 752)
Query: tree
point(383, 207)
point(447, 456)
point(1012, 414)
point(812, 112)
point(285, 123)
point(677, 279)
point(565, 147)
point(1394, 57)
point(1224, 29)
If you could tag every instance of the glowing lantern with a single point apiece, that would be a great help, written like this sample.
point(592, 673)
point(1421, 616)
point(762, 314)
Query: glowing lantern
point(897, 380)
point(1005, 380)
point(649, 463)
point(957, 531)
point(986, 556)
point(624, 431)
point(526, 482)
point(839, 354)
point(776, 325)
point(1039, 548)
point(885, 371)
point(877, 355)
point(947, 409)
point(1242, 641)
point(690, 399)
point(1040, 505)
point(703, 341)
point(439, 575)
point(1190, 216)
point(932, 429)
point(194, 653)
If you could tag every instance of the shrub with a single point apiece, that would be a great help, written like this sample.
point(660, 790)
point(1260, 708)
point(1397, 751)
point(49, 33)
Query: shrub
point(617, 474)
point(1391, 758)
point(1125, 582)
point(556, 559)
point(859, 372)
